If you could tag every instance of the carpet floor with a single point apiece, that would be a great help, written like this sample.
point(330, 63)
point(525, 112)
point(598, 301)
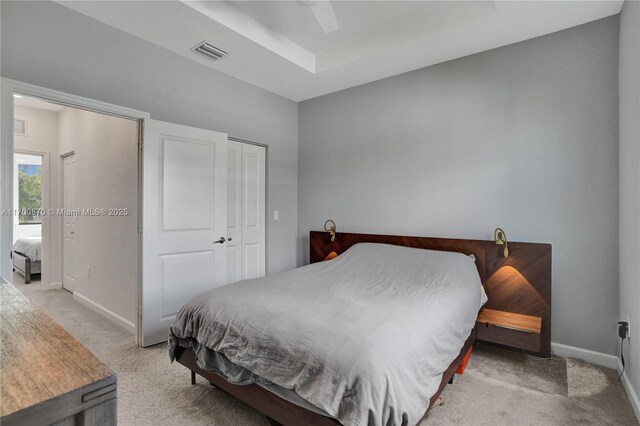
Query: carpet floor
point(499, 387)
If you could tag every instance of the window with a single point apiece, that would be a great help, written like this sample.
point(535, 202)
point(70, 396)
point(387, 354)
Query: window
point(29, 193)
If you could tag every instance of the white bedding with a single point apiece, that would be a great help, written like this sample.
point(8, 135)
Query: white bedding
point(365, 337)
point(30, 247)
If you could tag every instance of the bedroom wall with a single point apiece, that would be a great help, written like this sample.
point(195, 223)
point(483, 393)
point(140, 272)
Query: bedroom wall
point(70, 52)
point(42, 137)
point(524, 137)
point(106, 176)
point(629, 93)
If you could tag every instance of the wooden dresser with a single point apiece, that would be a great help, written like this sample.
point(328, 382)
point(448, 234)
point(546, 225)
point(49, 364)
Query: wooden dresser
point(47, 376)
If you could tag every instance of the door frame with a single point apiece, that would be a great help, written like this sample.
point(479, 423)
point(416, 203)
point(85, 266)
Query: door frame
point(45, 192)
point(7, 89)
point(60, 203)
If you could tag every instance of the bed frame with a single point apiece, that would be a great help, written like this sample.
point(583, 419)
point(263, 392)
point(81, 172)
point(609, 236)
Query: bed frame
point(281, 411)
point(25, 266)
point(526, 291)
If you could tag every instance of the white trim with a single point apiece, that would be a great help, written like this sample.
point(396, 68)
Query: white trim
point(7, 88)
point(603, 360)
point(122, 322)
point(45, 226)
point(593, 357)
point(630, 391)
point(68, 99)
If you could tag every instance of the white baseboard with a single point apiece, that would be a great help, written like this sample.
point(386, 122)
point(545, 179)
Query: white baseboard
point(593, 357)
point(603, 360)
point(630, 391)
point(122, 322)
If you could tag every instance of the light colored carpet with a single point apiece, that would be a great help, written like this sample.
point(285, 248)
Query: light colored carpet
point(499, 387)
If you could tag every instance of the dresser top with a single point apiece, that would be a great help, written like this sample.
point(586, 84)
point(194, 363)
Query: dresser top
point(39, 359)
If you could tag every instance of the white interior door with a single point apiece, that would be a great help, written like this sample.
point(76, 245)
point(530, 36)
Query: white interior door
point(69, 222)
point(184, 221)
point(234, 211)
point(246, 211)
point(253, 211)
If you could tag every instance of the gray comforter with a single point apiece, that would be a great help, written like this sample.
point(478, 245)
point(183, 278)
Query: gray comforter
point(365, 337)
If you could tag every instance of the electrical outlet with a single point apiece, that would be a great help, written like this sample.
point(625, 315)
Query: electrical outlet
point(623, 329)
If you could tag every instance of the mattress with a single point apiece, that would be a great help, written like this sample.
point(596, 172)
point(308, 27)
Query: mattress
point(364, 338)
point(30, 247)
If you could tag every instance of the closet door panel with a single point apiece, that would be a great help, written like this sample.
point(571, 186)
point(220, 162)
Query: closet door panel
point(234, 211)
point(253, 210)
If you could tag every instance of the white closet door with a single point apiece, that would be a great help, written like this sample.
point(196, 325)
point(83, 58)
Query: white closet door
point(69, 221)
point(253, 211)
point(234, 211)
point(246, 211)
point(184, 221)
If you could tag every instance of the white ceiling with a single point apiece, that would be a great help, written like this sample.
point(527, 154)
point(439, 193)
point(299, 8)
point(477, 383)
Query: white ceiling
point(355, 19)
point(279, 45)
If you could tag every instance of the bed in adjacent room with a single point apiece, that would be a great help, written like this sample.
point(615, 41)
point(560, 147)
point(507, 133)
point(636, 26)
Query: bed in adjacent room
point(367, 338)
point(26, 255)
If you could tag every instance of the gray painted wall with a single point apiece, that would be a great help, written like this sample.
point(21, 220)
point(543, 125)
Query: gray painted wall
point(629, 86)
point(49, 45)
point(524, 137)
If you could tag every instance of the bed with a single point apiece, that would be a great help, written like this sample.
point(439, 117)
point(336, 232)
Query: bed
point(26, 255)
point(362, 338)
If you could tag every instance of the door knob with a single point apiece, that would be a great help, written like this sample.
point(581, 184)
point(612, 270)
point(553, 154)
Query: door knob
point(220, 241)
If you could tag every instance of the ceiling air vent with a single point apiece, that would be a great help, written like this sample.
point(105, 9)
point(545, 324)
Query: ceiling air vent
point(20, 127)
point(209, 51)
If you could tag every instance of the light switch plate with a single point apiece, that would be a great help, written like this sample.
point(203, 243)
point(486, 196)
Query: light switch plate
point(275, 215)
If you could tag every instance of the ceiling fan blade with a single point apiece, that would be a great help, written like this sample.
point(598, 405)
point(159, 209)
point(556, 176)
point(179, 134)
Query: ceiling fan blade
point(323, 11)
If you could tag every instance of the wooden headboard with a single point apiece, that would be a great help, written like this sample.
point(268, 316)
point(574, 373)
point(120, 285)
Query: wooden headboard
point(520, 283)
